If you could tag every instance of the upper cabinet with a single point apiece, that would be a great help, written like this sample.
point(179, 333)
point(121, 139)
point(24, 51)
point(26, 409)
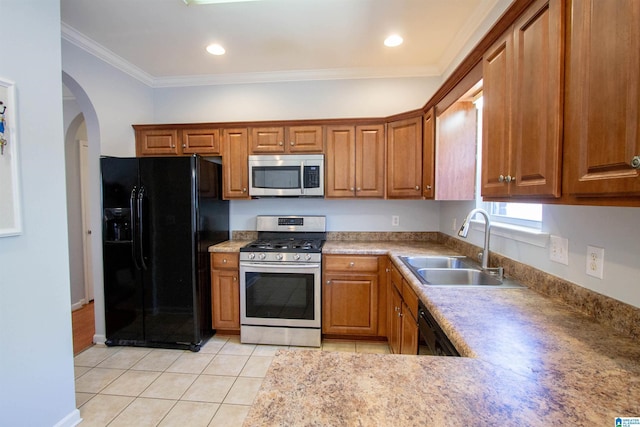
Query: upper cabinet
point(522, 113)
point(602, 130)
point(157, 141)
point(428, 153)
point(404, 159)
point(200, 141)
point(174, 140)
point(286, 140)
point(235, 167)
point(355, 161)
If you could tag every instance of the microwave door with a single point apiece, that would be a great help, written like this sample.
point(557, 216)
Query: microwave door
point(302, 178)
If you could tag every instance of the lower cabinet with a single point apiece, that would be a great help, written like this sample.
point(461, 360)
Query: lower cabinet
point(225, 292)
point(350, 294)
point(402, 311)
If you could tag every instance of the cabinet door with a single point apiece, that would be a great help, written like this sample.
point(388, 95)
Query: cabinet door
point(234, 166)
point(404, 159)
point(496, 93)
point(409, 339)
point(200, 141)
point(305, 139)
point(267, 140)
point(157, 142)
point(225, 299)
point(428, 154)
point(602, 134)
point(340, 162)
point(369, 157)
point(537, 99)
point(350, 304)
point(395, 321)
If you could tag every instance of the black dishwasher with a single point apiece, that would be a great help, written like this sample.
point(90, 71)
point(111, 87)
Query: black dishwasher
point(433, 340)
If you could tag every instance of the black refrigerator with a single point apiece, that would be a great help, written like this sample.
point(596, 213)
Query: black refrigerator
point(160, 215)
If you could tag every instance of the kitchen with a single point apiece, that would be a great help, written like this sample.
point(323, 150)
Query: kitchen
point(129, 101)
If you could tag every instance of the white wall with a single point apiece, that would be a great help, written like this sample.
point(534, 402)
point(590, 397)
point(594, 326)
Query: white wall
point(611, 228)
point(36, 352)
point(293, 100)
point(343, 215)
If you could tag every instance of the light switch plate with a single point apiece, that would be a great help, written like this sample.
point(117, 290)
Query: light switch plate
point(559, 249)
point(595, 261)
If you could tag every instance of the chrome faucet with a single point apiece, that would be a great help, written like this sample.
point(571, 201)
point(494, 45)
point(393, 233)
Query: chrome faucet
point(464, 230)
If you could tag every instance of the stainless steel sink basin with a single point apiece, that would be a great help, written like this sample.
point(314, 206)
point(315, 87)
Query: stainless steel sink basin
point(418, 262)
point(457, 277)
point(453, 271)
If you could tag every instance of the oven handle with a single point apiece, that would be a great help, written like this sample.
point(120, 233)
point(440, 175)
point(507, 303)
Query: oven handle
point(278, 265)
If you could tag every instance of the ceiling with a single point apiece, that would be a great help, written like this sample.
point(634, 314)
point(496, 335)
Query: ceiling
point(162, 42)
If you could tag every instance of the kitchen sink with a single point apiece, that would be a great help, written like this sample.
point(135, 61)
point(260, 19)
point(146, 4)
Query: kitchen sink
point(418, 262)
point(457, 277)
point(453, 271)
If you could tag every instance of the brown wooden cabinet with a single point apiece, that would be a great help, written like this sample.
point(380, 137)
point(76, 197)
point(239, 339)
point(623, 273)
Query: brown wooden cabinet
point(402, 313)
point(286, 140)
point(235, 168)
point(157, 141)
point(522, 115)
point(404, 159)
point(225, 292)
point(350, 292)
point(200, 141)
point(602, 130)
point(355, 161)
point(428, 154)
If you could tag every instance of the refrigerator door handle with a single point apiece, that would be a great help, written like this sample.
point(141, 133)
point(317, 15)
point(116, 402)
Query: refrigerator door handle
point(140, 229)
point(132, 210)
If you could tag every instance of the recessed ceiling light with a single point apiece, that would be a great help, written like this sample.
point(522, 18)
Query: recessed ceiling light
point(393, 40)
point(215, 49)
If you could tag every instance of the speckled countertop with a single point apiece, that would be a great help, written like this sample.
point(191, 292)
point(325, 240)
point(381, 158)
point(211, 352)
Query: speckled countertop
point(530, 361)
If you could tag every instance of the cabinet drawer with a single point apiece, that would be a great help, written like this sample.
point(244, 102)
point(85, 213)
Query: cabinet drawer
point(351, 263)
point(410, 298)
point(224, 260)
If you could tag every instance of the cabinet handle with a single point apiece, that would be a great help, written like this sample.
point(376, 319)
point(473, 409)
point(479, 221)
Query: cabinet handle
point(244, 190)
point(428, 187)
point(358, 189)
point(501, 178)
point(292, 143)
point(351, 264)
point(184, 145)
point(328, 282)
point(510, 178)
point(224, 261)
point(280, 143)
point(635, 162)
point(235, 278)
point(417, 187)
point(351, 189)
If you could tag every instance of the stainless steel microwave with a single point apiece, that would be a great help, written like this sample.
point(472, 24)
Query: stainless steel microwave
point(295, 175)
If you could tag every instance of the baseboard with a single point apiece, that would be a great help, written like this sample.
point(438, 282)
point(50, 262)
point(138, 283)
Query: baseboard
point(99, 339)
point(78, 305)
point(72, 419)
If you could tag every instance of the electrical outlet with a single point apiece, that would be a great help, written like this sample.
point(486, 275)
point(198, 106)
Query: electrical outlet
point(454, 224)
point(559, 249)
point(395, 220)
point(595, 262)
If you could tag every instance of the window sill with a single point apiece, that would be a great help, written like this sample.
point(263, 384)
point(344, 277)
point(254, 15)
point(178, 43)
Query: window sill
point(508, 231)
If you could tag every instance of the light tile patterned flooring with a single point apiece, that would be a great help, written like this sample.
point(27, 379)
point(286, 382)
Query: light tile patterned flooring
point(133, 386)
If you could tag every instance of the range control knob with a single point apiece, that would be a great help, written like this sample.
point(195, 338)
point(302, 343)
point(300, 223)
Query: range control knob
point(296, 257)
point(252, 255)
point(263, 256)
point(307, 257)
point(278, 257)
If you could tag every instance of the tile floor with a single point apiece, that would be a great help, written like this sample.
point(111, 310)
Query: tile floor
point(132, 386)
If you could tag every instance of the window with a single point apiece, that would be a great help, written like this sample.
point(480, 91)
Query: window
point(527, 215)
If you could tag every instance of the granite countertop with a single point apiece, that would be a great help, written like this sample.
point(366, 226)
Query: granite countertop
point(530, 361)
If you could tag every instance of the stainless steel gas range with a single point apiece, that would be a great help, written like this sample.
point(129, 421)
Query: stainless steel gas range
point(280, 282)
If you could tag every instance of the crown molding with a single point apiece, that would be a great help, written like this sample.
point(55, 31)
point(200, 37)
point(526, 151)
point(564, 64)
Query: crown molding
point(78, 39)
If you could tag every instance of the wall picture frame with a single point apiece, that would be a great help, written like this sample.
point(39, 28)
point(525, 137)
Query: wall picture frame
point(10, 208)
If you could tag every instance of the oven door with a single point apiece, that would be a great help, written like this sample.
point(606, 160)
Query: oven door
point(280, 294)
